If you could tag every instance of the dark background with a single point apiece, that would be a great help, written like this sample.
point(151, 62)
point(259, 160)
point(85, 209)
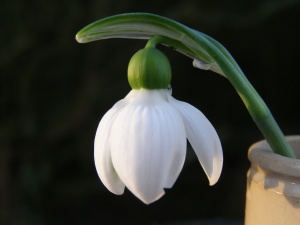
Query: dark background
point(54, 92)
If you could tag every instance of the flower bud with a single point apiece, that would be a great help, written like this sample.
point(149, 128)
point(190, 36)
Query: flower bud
point(149, 68)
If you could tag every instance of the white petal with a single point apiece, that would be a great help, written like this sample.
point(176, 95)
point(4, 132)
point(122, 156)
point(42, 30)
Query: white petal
point(176, 134)
point(102, 152)
point(147, 137)
point(203, 138)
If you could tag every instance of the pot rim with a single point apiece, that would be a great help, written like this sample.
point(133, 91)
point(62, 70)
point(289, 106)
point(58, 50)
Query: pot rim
point(261, 154)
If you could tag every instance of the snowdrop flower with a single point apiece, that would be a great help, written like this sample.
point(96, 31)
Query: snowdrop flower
point(141, 141)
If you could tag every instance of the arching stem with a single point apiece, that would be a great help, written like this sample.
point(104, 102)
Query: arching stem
point(253, 102)
point(201, 48)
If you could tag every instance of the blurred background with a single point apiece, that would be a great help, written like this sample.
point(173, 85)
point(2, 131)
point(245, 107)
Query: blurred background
point(54, 92)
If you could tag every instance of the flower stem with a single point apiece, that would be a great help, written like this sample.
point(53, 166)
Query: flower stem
point(201, 48)
point(253, 102)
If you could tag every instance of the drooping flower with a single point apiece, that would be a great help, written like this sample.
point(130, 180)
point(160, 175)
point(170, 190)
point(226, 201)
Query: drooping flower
point(141, 141)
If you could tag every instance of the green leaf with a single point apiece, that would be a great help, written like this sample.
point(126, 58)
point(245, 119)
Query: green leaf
point(192, 43)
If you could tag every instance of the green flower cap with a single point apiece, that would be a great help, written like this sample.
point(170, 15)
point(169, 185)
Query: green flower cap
point(149, 68)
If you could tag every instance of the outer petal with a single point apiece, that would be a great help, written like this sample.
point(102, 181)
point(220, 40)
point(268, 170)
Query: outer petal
point(102, 152)
point(148, 136)
point(203, 138)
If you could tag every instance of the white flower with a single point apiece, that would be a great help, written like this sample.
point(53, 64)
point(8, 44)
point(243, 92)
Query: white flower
point(141, 143)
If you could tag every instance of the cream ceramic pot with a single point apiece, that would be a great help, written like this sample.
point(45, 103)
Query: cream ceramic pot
point(273, 186)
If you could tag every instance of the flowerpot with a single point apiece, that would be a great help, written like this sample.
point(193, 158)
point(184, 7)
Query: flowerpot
point(273, 186)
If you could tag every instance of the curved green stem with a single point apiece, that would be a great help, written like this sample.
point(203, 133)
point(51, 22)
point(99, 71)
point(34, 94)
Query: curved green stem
point(206, 52)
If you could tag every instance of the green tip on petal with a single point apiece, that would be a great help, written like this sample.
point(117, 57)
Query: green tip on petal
point(149, 68)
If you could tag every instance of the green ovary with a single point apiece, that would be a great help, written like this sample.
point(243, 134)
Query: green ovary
point(149, 68)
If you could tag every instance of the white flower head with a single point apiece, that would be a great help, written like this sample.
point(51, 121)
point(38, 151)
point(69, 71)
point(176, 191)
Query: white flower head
point(141, 143)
